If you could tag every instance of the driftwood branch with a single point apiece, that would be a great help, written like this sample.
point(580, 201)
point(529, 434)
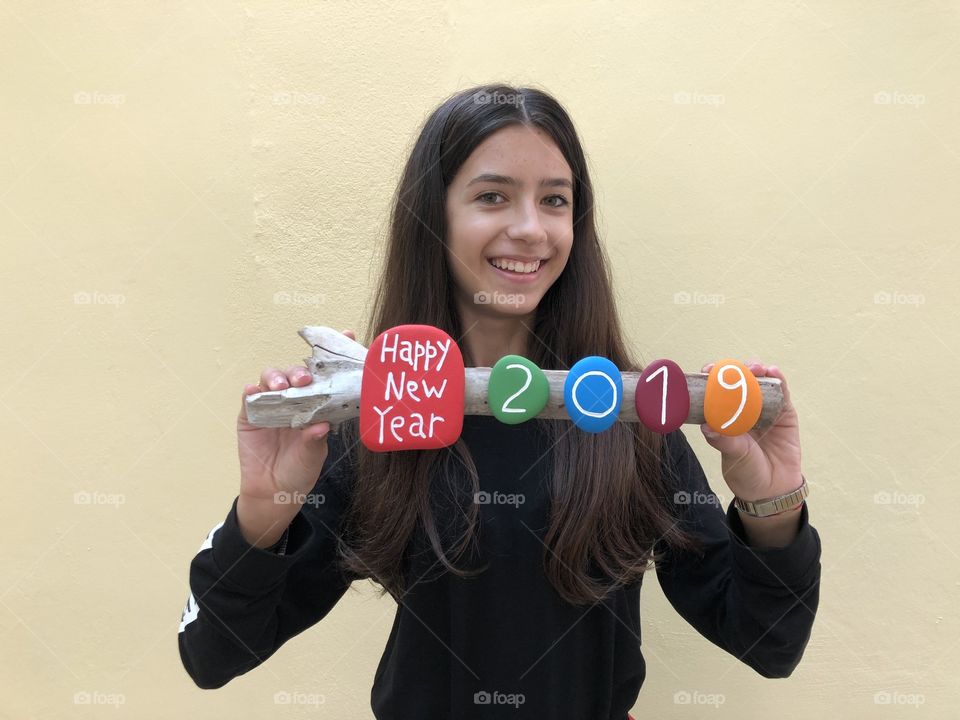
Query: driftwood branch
point(337, 368)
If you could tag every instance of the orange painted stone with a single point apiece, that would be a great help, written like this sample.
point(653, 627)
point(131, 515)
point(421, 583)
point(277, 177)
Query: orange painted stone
point(733, 400)
point(412, 391)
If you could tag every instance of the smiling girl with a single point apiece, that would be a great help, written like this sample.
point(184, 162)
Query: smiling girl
point(515, 556)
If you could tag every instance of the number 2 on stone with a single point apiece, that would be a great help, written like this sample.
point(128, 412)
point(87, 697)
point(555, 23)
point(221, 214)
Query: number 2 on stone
point(530, 399)
point(519, 392)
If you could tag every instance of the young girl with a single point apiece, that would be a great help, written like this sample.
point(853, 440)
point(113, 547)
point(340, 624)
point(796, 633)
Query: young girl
point(516, 555)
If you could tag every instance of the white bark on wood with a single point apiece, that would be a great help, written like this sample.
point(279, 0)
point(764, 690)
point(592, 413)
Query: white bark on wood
point(337, 368)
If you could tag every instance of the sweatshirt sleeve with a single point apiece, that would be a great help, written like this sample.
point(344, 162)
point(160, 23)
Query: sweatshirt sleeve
point(756, 604)
point(245, 601)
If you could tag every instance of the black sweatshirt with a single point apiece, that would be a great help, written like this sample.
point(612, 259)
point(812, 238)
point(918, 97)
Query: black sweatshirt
point(503, 644)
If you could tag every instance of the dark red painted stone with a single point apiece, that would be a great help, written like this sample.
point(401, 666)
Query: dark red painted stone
point(660, 416)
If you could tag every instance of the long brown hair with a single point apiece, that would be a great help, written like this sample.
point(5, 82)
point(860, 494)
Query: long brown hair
point(610, 503)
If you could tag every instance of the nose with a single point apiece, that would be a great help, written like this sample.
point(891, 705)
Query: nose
point(526, 225)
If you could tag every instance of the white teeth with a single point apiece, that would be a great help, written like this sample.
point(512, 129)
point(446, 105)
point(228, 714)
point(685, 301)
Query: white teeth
point(516, 266)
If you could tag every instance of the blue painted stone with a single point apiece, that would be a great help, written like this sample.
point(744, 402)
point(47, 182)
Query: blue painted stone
point(592, 393)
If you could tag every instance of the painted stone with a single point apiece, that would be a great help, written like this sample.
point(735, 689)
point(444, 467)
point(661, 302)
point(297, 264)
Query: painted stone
point(733, 400)
point(662, 397)
point(412, 391)
point(517, 391)
point(592, 393)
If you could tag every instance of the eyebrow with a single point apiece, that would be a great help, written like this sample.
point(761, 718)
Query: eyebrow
point(506, 180)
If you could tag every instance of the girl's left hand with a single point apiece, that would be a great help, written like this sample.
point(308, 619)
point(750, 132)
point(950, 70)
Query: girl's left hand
point(761, 464)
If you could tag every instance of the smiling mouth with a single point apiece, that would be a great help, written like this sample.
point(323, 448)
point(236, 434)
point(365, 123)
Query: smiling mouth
point(515, 267)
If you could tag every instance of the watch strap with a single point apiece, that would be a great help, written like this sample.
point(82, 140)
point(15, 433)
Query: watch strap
point(775, 505)
point(280, 546)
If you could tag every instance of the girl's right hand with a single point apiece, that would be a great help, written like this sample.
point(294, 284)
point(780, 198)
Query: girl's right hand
point(278, 466)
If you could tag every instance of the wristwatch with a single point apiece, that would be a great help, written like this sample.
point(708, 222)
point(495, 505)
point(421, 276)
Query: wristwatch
point(775, 505)
point(280, 546)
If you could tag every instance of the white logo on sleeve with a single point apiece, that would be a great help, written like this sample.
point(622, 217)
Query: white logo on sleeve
point(192, 608)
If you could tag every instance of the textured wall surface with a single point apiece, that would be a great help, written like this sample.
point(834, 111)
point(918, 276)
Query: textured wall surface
point(183, 186)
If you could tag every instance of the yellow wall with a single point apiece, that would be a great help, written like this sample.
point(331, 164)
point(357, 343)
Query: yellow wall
point(183, 165)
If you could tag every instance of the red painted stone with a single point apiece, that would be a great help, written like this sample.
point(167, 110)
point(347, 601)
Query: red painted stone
point(662, 397)
point(412, 392)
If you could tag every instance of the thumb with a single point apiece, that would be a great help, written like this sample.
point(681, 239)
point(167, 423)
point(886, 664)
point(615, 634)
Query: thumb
point(726, 444)
point(312, 446)
point(316, 434)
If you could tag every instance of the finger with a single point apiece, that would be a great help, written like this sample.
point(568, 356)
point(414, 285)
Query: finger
point(756, 366)
point(298, 376)
point(273, 379)
point(349, 334)
point(774, 371)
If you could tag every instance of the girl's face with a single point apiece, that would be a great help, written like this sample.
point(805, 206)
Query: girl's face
point(510, 205)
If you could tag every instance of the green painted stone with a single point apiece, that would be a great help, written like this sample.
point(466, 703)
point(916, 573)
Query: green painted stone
point(518, 390)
